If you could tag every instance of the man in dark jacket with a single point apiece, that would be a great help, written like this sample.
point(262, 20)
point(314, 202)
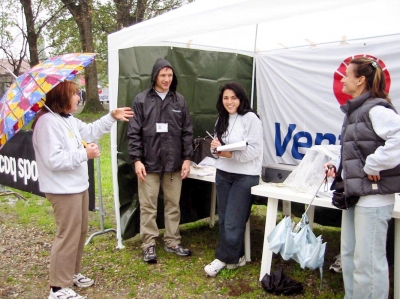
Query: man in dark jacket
point(160, 139)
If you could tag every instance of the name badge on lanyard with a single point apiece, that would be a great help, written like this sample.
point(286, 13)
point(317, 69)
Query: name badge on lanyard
point(161, 127)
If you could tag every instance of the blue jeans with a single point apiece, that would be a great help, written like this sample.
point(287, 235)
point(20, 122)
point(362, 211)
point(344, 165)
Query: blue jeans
point(234, 205)
point(363, 252)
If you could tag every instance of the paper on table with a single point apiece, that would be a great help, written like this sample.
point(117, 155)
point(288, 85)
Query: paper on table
point(207, 161)
point(210, 173)
point(237, 146)
point(202, 171)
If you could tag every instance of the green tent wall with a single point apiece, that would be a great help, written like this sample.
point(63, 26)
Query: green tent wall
point(200, 75)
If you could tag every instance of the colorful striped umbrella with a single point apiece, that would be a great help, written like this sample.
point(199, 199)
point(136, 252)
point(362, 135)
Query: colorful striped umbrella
point(27, 94)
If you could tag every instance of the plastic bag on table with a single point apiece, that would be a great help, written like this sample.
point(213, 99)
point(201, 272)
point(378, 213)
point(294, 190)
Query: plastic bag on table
point(307, 175)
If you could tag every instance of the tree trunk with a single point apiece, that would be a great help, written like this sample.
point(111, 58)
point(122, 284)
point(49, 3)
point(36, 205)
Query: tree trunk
point(32, 36)
point(138, 16)
point(82, 14)
point(124, 16)
point(123, 12)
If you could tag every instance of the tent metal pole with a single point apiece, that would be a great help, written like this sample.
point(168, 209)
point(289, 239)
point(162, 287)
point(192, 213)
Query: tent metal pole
point(100, 208)
point(113, 66)
point(254, 69)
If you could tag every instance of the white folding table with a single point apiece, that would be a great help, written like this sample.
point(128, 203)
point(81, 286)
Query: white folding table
point(274, 192)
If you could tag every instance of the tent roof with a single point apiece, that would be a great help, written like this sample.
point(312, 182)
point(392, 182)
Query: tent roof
point(244, 25)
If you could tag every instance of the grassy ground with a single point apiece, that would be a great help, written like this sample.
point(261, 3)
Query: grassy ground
point(27, 229)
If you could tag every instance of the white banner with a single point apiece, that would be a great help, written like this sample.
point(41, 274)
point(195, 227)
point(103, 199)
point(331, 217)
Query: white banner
point(299, 94)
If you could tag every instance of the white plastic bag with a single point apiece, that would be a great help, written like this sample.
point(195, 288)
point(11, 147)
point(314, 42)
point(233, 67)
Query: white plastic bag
point(308, 174)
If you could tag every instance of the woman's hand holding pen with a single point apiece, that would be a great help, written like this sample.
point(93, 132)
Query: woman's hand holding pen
point(214, 144)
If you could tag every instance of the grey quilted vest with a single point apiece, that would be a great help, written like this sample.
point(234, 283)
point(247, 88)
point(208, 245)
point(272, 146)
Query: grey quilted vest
point(358, 141)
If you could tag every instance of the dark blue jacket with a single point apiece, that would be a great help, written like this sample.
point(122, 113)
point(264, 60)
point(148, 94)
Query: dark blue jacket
point(165, 151)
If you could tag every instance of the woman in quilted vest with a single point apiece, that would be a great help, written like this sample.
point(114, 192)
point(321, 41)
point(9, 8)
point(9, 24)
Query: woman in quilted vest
point(369, 165)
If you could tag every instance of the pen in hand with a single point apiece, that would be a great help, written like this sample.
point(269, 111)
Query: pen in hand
point(215, 150)
point(209, 135)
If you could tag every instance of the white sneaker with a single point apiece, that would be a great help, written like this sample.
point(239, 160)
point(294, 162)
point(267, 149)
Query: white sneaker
point(82, 281)
point(65, 293)
point(214, 267)
point(242, 262)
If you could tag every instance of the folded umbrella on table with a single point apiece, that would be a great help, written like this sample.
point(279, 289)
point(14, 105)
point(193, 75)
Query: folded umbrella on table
point(298, 242)
point(303, 246)
point(27, 94)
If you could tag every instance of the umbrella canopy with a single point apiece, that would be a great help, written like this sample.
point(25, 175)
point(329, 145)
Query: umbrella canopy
point(302, 246)
point(298, 241)
point(27, 94)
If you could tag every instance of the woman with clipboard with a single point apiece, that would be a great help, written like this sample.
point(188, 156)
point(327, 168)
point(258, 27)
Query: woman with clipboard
point(237, 172)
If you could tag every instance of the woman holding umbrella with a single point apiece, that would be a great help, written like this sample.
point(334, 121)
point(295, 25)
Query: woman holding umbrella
point(369, 167)
point(61, 156)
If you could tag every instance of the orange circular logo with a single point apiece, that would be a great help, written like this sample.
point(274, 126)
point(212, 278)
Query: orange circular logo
point(341, 71)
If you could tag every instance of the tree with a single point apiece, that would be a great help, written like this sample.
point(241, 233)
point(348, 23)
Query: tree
point(111, 16)
point(82, 13)
point(35, 26)
point(130, 12)
point(72, 26)
point(32, 35)
point(12, 42)
point(24, 33)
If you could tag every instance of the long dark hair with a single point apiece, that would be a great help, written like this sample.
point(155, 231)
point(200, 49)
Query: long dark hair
point(58, 99)
point(223, 116)
point(374, 76)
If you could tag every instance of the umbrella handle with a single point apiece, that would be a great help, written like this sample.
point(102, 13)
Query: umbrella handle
point(298, 226)
point(315, 194)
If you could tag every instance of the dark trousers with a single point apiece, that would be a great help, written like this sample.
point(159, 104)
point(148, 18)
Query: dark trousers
point(234, 206)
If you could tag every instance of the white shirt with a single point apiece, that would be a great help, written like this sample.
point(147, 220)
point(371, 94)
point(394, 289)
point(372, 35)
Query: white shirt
point(386, 124)
point(247, 128)
point(61, 158)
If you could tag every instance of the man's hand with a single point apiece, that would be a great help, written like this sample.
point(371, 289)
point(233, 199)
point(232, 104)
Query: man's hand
point(140, 171)
point(185, 169)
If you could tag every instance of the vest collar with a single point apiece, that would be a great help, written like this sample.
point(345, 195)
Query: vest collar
point(353, 104)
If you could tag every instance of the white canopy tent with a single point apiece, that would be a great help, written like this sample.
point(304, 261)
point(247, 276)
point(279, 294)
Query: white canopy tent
point(248, 27)
point(231, 25)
